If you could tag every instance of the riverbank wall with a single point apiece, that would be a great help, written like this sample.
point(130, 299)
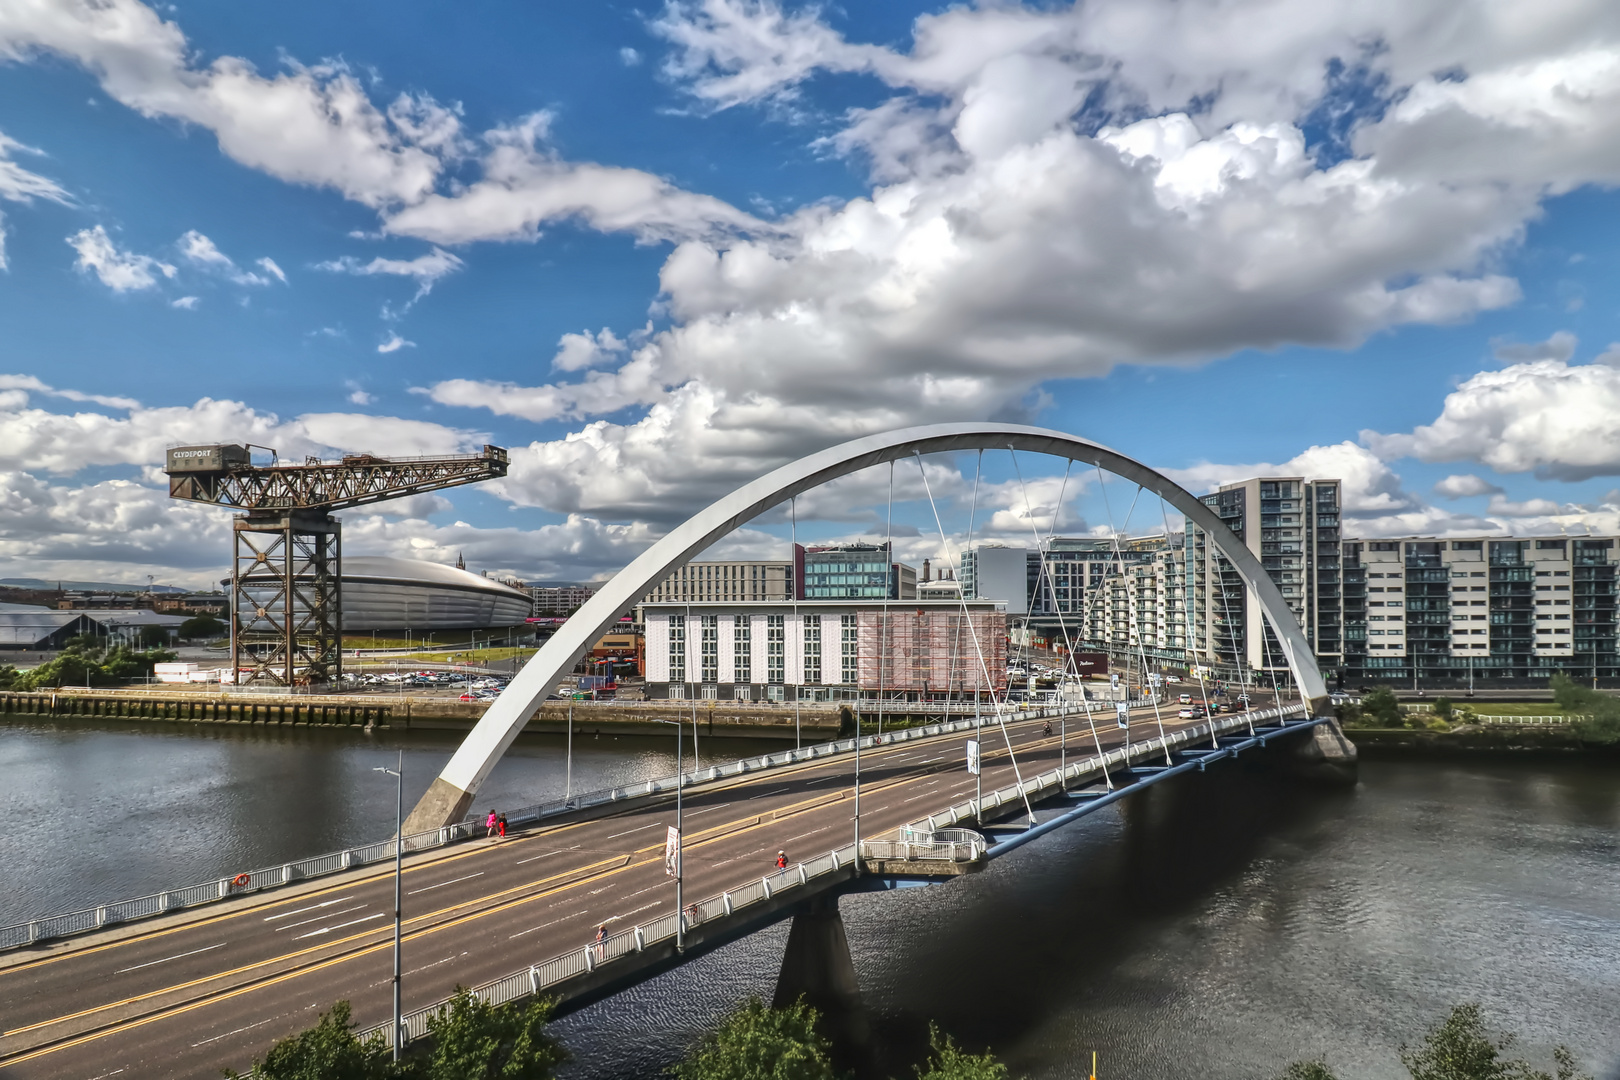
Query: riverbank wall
point(1406, 742)
point(714, 718)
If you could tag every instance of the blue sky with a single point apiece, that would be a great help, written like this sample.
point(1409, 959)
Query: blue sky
point(658, 250)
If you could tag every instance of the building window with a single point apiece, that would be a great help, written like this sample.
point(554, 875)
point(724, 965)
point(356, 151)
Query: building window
point(743, 642)
point(743, 693)
point(677, 648)
point(775, 651)
point(846, 648)
point(677, 691)
point(812, 649)
point(710, 646)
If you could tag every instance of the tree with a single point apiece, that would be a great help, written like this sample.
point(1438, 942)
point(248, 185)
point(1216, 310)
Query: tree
point(1383, 706)
point(947, 1061)
point(327, 1051)
point(1461, 1049)
point(473, 1040)
point(759, 1043)
point(202, 626)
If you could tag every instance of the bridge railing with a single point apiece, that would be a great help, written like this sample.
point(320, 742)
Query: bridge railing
point(951, 843)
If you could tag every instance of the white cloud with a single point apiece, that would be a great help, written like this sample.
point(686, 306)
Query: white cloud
point(357, 394)
point(1461, 486)
point(425, 269)
point(36, 439)
point(1502, 506)
point(1546, 416)
point(268, 265)
point(185, 303)
point(525, 185)
point(19, 185)
point(393, 343)
point(629, 57)
point(576, 352)
point(119, 270)
point(202, 252)
point(308, 125)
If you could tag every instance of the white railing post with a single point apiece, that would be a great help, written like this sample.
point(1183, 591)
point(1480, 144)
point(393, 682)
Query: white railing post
point(765, 883)
point(534, 979)
point(725, 902)
point(641, 941)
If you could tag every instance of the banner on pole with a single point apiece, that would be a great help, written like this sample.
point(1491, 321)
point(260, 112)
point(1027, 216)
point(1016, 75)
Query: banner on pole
point(973, 756)
point(672, 852)
point(1123, 711)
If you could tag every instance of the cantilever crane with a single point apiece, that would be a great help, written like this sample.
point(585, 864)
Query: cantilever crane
point(286, 598)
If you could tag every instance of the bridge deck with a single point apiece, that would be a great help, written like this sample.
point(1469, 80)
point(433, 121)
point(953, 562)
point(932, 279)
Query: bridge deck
point(187, 995)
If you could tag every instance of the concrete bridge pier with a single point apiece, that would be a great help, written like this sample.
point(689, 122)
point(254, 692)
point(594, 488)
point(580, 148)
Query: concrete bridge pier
point(817, 967)
point(1326, 755)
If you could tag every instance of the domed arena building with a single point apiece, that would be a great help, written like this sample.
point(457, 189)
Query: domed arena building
point(382, 593)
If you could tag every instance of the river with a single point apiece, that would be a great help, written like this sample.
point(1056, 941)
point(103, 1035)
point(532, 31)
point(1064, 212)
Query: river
point(1219, 926)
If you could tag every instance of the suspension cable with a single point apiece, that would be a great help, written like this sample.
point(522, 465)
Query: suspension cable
point(798, 586)
point(978, 649)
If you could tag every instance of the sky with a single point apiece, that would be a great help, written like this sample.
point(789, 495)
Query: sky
point(656, 251)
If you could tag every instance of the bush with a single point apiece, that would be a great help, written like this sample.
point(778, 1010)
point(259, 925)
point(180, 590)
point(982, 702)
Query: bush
point(1307, 1070)
point(759, 1043)
point(947, 1061)
point(1602, 711)
point(1383, 707)
point(86, 662)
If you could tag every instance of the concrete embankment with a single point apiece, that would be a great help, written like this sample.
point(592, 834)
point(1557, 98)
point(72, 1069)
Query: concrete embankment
point(1400, 742)
point(714, 718)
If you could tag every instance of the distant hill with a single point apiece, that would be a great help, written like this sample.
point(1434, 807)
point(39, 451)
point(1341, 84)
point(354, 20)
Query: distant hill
point(85, 586)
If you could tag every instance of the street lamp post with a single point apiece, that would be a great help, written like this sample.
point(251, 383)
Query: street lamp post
point(680, 780)
point(399, 851)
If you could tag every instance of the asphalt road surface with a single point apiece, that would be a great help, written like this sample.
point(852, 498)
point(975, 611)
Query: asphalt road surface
point(193, 993)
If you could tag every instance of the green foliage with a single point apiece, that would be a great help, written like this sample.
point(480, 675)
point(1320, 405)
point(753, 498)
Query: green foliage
point(470, 1041)
point(1443, 708)
point(327, 1051)
point(947, 1061)
point(473, 1040)
point(1461, 1049)
point(87, 662)
point(1307, 1070)
point(760, 1043)
point(202, 626)
point(1383, 707)
point(1602, 710)
point(8, 677)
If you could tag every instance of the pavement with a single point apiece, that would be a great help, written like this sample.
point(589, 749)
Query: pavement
point(190, 994)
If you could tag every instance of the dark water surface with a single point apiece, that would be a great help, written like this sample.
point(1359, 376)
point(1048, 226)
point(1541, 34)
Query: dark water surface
point(1217, 927)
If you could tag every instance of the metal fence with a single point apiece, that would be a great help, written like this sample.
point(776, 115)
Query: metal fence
point(553, 972)
point(89, 919)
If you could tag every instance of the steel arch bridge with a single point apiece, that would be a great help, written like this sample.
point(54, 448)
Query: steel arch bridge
point(450, 795)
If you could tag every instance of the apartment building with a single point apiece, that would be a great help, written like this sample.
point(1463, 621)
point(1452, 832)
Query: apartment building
point(558, 599)
point(1137, 612)
point(1447, 612)
point(731, 582)
point(825, 650)
point(1292, 525)
point(855, 571)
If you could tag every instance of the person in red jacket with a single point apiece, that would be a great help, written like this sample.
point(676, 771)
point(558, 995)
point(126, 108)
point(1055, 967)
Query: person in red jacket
point(781, 861)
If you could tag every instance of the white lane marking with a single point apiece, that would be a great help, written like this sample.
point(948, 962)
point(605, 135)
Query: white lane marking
point(648, 889)
point(228, 1034)
point(166, 959)
point(638, 828)
point(442, 884)
point(766, 794)
point(812, 832)
point(300, 911)
point(706, 809)
point(341, 925)
point(424, 967)
point(318, 918)
point(115, 1072)
point(543, 854)
point(639, 910)
point(542, 926)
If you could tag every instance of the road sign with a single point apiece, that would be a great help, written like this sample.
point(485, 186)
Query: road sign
point(1123, 711)
point(672, 852)
point(973, 756)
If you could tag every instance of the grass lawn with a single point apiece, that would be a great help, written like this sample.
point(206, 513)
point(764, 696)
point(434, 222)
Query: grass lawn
point(1507, 708)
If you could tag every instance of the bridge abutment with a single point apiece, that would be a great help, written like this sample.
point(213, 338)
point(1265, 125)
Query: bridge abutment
point(817, 967)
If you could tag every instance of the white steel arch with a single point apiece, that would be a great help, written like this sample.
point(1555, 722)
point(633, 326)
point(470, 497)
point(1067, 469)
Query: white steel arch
point(452, 793)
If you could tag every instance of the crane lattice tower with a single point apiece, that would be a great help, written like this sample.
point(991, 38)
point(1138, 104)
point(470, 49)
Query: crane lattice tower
point(286, 571)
